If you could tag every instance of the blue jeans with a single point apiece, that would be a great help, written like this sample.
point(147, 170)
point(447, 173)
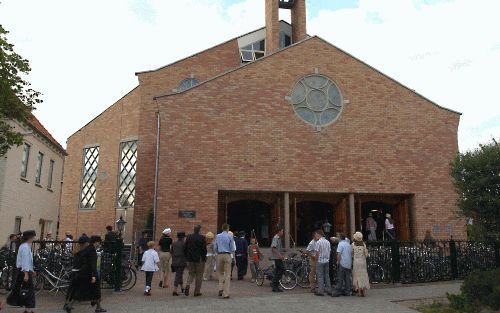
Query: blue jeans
point(323, 278)
point(344, 282)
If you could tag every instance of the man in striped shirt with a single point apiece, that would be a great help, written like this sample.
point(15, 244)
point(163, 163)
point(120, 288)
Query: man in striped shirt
point(323, 257)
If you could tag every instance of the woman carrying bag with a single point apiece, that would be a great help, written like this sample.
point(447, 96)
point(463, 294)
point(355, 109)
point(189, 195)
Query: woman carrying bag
point(23, 291)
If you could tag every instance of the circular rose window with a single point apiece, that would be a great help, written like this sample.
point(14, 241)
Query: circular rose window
point(317, 100)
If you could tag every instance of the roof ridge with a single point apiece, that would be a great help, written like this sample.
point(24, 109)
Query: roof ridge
point(37, 126)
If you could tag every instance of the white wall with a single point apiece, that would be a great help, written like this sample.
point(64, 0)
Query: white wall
point(22, 198)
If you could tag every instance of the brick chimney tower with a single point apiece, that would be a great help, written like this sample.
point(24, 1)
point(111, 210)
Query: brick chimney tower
point(298, 12)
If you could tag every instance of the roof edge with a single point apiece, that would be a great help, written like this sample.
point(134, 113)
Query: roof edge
point(389, 77)
point(233, 69)
point(204, 50)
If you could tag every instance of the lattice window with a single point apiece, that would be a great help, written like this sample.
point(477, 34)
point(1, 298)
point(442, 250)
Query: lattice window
point(89, 177)
point(128, 165)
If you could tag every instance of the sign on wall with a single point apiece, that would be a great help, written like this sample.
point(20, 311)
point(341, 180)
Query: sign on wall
point(187, 214)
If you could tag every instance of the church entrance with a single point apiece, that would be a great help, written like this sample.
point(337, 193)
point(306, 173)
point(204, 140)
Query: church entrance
point(311, 216)
point(251, 216)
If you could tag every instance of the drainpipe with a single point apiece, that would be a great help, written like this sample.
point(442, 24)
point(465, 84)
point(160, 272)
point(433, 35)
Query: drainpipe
point(155, 199)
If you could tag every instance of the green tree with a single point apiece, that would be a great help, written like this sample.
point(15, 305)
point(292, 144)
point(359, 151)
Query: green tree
point(477, 180)
point(17, 99)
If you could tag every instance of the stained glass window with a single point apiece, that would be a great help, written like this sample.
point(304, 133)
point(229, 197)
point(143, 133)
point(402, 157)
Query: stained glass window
point(126, 181)
point(89, 177)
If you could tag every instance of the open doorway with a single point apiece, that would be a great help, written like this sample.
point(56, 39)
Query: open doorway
point(311, 215)
point(378, 210)
point(251, 216)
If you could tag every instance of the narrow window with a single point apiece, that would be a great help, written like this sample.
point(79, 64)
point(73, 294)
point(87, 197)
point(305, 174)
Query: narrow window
point(25, 160)
point(39, 164)
point(89, 177)
point(126, 178)
point(51, 172)
point(17, 224)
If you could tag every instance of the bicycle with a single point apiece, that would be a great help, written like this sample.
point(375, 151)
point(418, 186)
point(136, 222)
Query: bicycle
point(53, 272)
point(300, 267)
point(288, 281)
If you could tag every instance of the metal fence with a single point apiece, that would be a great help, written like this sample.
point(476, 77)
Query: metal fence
point(54, 262)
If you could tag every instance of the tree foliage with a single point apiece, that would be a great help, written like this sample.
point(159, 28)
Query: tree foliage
point(477, 180)
point(17, 99)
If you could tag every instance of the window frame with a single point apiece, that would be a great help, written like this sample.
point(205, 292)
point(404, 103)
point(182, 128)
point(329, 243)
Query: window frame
point(25, 162)
point(39, 167)
point(119, 177)
point(51, 174)
point(81, 195)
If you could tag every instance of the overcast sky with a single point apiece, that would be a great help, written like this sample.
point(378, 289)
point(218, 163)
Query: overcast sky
point(84, 53)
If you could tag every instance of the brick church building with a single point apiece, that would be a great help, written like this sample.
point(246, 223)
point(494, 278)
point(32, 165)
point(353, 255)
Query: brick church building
point(274, 126)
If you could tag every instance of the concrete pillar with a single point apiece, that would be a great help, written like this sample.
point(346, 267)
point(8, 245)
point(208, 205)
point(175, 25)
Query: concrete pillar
point(272, 26)
point(352, 218)
point(287, 219)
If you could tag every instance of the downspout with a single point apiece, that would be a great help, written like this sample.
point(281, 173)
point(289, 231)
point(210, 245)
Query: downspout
point(155, 197)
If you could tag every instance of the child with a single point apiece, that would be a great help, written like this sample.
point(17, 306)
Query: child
point(178, 262)
point(150, 261)
point(254, 255)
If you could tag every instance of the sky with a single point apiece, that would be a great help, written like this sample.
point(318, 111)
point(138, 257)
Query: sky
point(84, 53)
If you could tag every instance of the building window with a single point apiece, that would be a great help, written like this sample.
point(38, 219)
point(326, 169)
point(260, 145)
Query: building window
point(317, 100)
point(17, 224)
point(126, 183)
point(39, 164)
point(285, 40)
point(89, 177)
point(25, 160)
point(187, 83)
point(253, 51)
point(51, 172)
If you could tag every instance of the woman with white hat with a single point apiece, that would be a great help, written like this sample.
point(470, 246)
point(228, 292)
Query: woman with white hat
point(165, 246)
point(360, 279)
point(389, 227)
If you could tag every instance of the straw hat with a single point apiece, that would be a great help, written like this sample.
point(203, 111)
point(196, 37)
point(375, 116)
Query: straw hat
point(358, 236)
point(167, 231)
point(210, 235)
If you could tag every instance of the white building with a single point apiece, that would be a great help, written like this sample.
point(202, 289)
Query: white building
point(31, 182)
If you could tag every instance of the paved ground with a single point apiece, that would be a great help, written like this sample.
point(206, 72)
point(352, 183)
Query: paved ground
point(248, 297)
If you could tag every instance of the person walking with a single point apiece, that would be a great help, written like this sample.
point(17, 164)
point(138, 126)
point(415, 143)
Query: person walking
point(142, 246)
point(344, 268)
point(254, 256)
point(278, 257)
point(85, 282)
point(224, 247)
point(178, 262)
point(196, 256)
point(371, 225)
point(150, 261)
point(360, 280)
point(311, 252)
point(322, 250)
point(10, 244)
point(209, 265)
point(24, 276)
point(165, 244)
point(389, 227)
point(241, 255)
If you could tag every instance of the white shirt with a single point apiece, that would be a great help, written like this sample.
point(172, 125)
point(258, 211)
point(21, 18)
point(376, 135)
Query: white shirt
point(24, 259)
point(150, 260)
point(388, 224)
point(311, 247)
point(323, 249)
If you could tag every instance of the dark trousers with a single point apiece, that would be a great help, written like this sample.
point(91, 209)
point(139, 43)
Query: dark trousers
point(344, 283)
point(139, 259)
point(14, 298)
point(278, 273)
point(179, 276)
point(242, 265)
point(149, 278)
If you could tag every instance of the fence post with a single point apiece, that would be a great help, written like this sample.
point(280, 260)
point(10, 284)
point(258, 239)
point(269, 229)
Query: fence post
point(497, 253)
point(396, 271)
point(453, 259)
point(118, 264)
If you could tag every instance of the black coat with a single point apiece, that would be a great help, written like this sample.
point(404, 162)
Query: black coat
point(81, 288)
point(196, 248)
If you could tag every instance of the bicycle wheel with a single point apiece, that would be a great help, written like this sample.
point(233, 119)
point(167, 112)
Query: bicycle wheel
point(259, 278)
point(289, 280)
point(129, 278)
point(376, 273)
point(39, 284)
point(303, 278)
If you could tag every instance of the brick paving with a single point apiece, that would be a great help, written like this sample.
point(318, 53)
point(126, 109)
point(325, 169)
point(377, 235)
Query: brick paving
point(248, 297)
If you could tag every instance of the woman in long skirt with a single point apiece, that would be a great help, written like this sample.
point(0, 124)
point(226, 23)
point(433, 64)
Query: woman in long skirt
point(360, 279)
point(178, 262)
point(85, 285)
point(23, 291)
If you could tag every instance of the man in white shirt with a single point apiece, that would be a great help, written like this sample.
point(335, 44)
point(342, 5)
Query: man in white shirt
point(344, 268)
point(322, 249)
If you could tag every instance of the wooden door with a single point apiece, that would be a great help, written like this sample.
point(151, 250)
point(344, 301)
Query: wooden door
point(340, 217)
point(402, 221)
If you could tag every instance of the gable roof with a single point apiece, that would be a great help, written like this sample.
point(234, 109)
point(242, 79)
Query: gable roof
point(37, 126)
point(299, 43)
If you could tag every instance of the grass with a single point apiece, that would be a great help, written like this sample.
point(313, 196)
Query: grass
point(436, 307)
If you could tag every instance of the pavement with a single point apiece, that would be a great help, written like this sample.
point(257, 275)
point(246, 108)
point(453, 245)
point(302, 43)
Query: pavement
point(248, 297)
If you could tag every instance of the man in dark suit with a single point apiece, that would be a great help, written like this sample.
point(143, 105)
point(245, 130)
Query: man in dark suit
point(196, 256)
point(241, 254)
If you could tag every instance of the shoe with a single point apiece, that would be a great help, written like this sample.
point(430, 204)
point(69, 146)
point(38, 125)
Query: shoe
point(197, 295)
point(160, 284)
point(93, 303)
point(175, 294)
point(319, 294)
point(67, 308)
point(277, 290)
point(149, 293)
point(220, 293)
point(335, 294)
point(226, 297)
point(186, 291)
point(205, 279)
point(100, 310)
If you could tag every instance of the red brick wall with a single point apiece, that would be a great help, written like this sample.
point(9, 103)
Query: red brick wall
point(118, 122)
point(238, 132)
